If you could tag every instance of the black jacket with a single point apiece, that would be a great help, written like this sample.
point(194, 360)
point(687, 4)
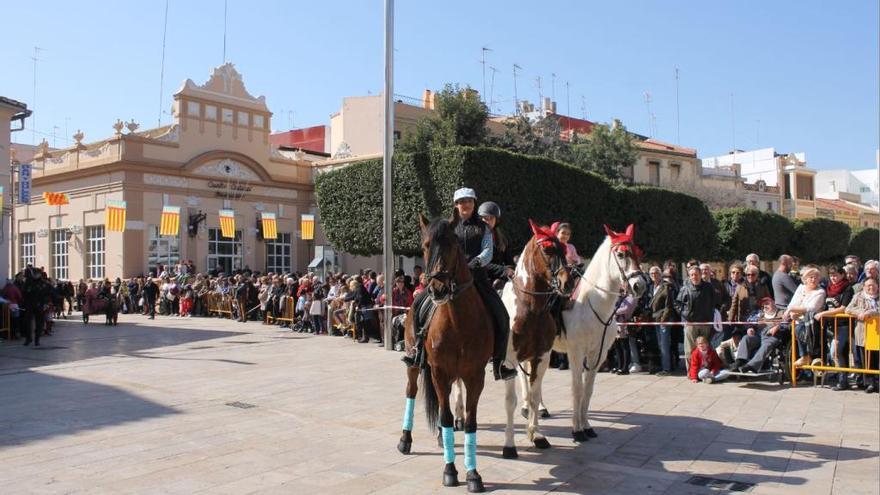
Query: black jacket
point(696, 303)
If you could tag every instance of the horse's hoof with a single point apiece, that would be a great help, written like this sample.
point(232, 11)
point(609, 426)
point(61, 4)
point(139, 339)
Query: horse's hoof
point(525, 412)
point(541, 443)
point(544, 413)
point(590, 433)
point(404, 447)
point(475, 482)
point(459, 424)
point(579, 436)
point(509, 453)
point(450, 475)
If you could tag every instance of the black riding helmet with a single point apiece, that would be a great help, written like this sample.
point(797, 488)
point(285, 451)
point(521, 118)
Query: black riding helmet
point(489, 208)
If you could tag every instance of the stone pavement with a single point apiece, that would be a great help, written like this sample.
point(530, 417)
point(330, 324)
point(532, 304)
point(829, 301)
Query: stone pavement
point(150, 407)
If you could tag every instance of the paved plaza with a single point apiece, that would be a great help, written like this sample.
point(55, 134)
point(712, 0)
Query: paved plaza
point(180, 405)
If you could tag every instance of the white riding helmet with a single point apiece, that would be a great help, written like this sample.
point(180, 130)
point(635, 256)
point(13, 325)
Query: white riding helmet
point(464, 193)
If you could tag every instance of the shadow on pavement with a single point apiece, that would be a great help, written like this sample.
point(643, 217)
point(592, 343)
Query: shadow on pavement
point(640, 444)
point(73, 341)
point(37, 406)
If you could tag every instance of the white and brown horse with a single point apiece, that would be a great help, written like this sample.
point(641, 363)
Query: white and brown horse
point(541, 282)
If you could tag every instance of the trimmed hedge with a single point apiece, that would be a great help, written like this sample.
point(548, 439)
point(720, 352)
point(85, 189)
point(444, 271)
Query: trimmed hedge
point(865, 243)
point(669, 225)
point(350, 202)
point(820, 240)
point(742, 231)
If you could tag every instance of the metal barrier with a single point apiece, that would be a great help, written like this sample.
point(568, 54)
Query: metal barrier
point(872, 343)
point(288, 311)
point(219, 304)
point(5, 320)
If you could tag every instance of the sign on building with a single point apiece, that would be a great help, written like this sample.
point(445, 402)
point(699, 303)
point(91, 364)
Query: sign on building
point(24, 183)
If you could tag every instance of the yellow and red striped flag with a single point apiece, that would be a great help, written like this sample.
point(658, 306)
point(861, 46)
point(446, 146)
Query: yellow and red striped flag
point(170, 224)
point(55, 199)
point(227, 223)
point(307, 226)
point(270, 226)
point(115, 221)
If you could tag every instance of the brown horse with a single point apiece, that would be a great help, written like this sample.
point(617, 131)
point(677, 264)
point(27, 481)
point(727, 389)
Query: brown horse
point(458, 345)
point(542, 281)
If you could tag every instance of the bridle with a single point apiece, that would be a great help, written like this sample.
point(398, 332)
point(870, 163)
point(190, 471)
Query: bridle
point(452, 286)
point(556, 289)
point(629, 249)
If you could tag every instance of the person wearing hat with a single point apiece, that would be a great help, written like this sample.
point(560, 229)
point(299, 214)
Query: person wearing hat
point(477, 242)
point(500, 269)
point(766, 334)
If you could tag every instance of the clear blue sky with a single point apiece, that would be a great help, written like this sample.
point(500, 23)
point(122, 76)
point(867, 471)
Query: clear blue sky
point(803, 74)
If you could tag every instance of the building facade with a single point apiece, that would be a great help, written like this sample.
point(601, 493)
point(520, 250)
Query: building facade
point(787, 172)
point(215, 155)
point(865, 184)
point(12, 116)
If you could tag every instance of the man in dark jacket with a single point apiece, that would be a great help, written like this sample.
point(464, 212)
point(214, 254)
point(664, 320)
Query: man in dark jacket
point(37, 293)
point(696, 303)
point(662, 307)
point(151, 292)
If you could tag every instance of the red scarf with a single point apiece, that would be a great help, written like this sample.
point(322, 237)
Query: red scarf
point(834, 290)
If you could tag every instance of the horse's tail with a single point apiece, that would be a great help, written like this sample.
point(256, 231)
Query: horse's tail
point(432, 404)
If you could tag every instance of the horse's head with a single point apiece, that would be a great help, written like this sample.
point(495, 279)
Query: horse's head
point(624, 259)
point(547, 258)
point(444, 259)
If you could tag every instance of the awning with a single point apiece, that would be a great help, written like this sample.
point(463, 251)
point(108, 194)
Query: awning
point(316, 262)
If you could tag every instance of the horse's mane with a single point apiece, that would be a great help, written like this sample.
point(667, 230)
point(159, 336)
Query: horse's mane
point(440, 229)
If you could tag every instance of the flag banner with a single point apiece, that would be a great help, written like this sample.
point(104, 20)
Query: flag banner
point(170, 224)
point(1, 196)
point(227, 223)
point(55, 199)
point(307, 227)
point(115, 221)
point(270, 226)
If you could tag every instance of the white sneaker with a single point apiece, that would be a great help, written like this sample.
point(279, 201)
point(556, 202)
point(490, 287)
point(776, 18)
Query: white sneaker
point(635, 368)
point(708, 380)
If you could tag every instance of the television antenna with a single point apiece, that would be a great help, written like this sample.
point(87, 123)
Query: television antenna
point(483, 63)
point(515, 97)
point(650, 115)
point(492, 88)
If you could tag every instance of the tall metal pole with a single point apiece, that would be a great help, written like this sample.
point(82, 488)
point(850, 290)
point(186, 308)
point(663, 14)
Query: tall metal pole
point(677, 110)
point(388, 153)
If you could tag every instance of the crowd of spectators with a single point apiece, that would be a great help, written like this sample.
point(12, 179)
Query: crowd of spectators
point(690, 319)
point(689, 312)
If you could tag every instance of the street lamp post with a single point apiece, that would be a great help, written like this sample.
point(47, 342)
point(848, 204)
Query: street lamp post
point(388, 152)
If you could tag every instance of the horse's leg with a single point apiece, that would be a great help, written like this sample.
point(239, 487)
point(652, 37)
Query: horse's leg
point(459, 405)
point(576, 364)
point(412, 387)
point(443, 386)
point(509, 451)
point(590, 380)
point(474, 389)
point(524, 387)
point(539, 367)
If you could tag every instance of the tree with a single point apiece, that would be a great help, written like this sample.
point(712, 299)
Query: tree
point(459, 119)
point(820, 240)
point(742, 231)
point(865, 243)
point(607, 151)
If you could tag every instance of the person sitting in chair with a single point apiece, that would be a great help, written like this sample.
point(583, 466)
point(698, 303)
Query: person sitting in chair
point(767, 333)
point(477, 242)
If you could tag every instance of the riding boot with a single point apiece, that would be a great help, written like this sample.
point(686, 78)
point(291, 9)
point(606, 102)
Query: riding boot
point(414, 360)
point(501, 326)
point(500, 371)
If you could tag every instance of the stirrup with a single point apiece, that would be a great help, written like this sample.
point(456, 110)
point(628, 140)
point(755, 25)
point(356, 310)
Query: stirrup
point(502, 373)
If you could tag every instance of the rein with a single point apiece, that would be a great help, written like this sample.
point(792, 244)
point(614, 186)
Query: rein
point(447, 280)
point(607, 322)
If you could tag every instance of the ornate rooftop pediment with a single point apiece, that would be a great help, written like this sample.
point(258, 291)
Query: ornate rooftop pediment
point(225, 83)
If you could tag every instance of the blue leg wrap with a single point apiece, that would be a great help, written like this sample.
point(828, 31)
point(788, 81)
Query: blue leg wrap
point(408, 414)
point(448, 444)
point(470, 451)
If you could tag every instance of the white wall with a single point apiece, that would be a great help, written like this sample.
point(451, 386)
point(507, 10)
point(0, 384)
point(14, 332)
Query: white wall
point(755, 165)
